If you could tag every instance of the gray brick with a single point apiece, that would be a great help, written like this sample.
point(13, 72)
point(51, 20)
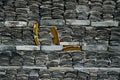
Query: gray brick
point(105, 23)
point(51, 48)
point(16, 61)
point(114, 48)
point(102, 63)
point(80, 8)
point(28, 47)
point(52, 22)
point(10, 67)
point(89, 63)
point(79, 14)
point(95, 47)
point(1, 24)
point(77, 22)
point(3, 72)
point(31, 23)
point(15, 23)
point(33, 67)
point(52, 64)
point(5, 47)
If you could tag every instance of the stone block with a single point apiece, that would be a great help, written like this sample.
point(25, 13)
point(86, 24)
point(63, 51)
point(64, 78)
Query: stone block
point(31, 23)
point(5, 47)
point(82, 8)
point(52, 22)
point(15, 23)
point(1, 24)
point(105, 23)
point(95, 47)
point(51, 48)
point(77, 22)
point(69, 43)
point(114, 48)
point(28, 47)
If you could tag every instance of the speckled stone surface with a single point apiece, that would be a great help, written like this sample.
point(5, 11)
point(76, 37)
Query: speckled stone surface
point(94, 24)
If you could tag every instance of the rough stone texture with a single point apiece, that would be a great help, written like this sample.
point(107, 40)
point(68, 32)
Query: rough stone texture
point(114, 48)
point(52, 22)
point(77, 22)
point(105, 23)
point(95, 47)
point(94, 24)
point(1, 24)
point(15, 23)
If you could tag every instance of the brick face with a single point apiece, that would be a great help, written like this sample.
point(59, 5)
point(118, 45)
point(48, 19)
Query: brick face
point(92, 24)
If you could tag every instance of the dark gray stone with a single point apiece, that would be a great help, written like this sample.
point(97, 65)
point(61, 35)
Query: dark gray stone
point(9, 8)
point(28, 61)
point(53, 64)
point(57, 74)
point(70, 6)
point(82, 15)
point(31, 23)
point(108, 9)
point(115, 43)
point(70, 74)
point(8, 48)
point(89, 63)
point(94, 18)
point(1, 24)
point(52, 22)
point(83, 2)
point(77, 56)
point(41, 60)
point(4, 60)
point(10, 13)
point(70, 16)
point(96, 0)
point(22, 10)
point(114, 48)
point(53, 56)
point(66, 63)
point(80, 8)
point(16, 61)
point(82, 75)
point(20, 3)
point(108, 16)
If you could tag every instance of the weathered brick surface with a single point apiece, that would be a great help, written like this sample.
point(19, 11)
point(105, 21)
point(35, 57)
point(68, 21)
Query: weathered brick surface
point(27, 74)
point(94, 24)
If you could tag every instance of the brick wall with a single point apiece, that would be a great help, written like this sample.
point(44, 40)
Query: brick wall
point(94, 24)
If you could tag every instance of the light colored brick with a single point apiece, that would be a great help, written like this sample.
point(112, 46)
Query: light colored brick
point(97, 68)
point(69, 43)
point(60, 68)
point(95, 47)
point(77, 22)
point(105, 23)
point(28, 47)
point(15, 23)
point(31, 23)
point(52, 48)
point(33, 67)
point(10, 67)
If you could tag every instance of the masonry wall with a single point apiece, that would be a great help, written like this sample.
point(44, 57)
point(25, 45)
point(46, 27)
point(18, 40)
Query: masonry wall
point(94, 24)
